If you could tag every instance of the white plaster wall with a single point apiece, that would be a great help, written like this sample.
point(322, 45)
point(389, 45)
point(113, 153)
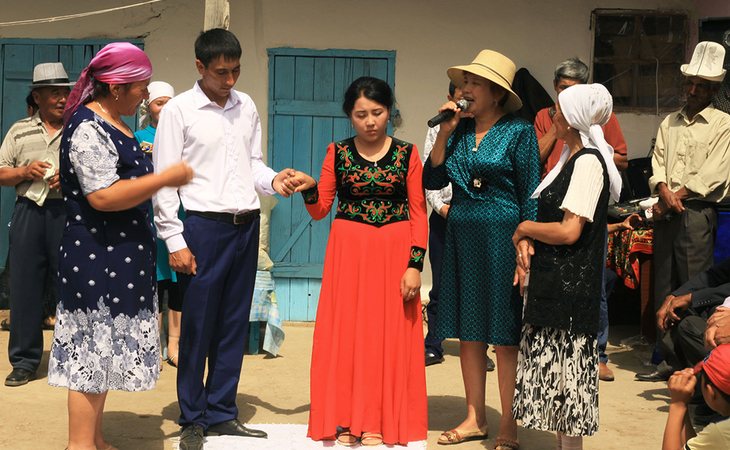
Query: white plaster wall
point(428, 36)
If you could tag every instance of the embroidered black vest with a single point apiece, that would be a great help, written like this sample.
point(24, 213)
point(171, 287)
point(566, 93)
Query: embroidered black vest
point(565, 280)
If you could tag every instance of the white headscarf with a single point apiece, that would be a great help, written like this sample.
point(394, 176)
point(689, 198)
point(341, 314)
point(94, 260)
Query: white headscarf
point(156, 89)
point(587, 107)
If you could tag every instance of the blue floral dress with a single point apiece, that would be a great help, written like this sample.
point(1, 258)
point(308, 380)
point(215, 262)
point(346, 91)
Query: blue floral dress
point(106, 335)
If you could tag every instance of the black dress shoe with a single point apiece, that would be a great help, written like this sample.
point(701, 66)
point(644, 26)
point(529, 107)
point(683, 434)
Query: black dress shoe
point(490, 364)
point(19, 377)
point(191, 437)
point(234, 428)
point(657, 375)
point(432, 358)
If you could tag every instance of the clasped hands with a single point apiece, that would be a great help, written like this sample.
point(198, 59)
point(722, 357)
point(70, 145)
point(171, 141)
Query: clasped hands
point(669, 201)
point(285, 183)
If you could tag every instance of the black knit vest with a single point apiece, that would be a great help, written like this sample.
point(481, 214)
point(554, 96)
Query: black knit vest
point(565, 280)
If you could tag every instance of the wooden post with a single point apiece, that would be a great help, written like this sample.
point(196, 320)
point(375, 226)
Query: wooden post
point(217, 14)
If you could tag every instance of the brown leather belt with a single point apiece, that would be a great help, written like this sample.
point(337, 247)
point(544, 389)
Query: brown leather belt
point(241, 218)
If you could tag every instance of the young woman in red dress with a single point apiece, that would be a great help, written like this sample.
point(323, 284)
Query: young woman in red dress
point(368, 382)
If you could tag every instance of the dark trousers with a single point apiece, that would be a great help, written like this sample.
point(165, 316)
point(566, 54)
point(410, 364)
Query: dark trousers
point(609, 280)
point(35, 236)
point(684, 344)
point(436, 238)
point(216, 307)
point(683, 247)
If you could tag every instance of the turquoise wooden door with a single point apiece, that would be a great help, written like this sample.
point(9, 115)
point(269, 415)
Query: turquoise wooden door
point(17, 59)
point(306, 89)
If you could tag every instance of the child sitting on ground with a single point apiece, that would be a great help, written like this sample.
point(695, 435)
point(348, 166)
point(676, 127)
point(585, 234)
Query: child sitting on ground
point(714, 374)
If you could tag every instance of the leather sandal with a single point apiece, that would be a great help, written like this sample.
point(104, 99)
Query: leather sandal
point(506, 444)
point(371, 439)
point(172, 360)
point(457, 437)
point(346, 438)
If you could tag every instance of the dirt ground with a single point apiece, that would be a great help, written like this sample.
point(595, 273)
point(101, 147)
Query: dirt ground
point(276, 390)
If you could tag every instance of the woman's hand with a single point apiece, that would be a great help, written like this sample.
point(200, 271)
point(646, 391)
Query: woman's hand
point(447, 127)
point(410, 284)
point(303, 180)
point(284, 183)
point(525, 249)
point(178, 174)
point(520, 279)
point(519, 233)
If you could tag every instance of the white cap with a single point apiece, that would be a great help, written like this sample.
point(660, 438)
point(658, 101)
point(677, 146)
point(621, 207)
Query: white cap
point(159, 89)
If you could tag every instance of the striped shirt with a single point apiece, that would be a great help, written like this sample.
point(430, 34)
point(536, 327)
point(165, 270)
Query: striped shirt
point(28, 141)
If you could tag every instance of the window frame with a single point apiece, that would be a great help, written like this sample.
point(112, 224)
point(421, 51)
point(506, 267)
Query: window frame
point(637, 62)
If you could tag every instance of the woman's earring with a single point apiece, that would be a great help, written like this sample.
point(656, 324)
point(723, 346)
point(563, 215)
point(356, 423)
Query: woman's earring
point(116, 98)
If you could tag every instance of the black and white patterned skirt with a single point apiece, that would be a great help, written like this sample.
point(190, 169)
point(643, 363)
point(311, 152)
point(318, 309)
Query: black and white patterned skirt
point(557, 381)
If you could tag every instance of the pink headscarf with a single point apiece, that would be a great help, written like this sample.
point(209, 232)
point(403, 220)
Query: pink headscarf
point(116, 63)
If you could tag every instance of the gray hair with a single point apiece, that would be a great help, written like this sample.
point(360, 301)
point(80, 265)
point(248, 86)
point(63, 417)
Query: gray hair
point(572, 68)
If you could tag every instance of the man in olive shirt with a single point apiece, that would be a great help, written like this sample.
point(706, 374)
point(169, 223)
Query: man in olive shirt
point(691, 168)
point(29, 161)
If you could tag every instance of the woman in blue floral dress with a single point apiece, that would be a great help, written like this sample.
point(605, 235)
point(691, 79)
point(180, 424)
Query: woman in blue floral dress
point(106, 335)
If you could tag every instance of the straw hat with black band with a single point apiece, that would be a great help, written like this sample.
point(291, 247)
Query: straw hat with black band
point(496, 68)
point(50, 75)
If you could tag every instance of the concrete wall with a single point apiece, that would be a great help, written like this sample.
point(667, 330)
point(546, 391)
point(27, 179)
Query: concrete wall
point(427, 35)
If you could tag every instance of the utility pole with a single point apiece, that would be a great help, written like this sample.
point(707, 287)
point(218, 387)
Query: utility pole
point(217, 14)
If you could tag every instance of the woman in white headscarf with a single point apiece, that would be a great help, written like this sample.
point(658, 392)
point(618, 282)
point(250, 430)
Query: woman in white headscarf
point(563, 255)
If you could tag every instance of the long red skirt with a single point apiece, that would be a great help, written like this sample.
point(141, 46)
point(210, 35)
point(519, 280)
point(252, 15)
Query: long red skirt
point(368, 371)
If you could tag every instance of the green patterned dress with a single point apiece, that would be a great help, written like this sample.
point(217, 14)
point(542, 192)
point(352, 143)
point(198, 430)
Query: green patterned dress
point(492, 185)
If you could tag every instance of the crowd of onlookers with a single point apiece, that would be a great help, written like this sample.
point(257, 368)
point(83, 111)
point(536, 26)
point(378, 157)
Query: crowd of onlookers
point(518, 237)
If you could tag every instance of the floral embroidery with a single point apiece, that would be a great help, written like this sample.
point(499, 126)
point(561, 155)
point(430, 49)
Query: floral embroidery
point(375, 193)
point(94, 352)
point(417, 257)
point(311, 195)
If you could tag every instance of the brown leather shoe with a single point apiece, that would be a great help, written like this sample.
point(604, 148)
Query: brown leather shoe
point(604, 372)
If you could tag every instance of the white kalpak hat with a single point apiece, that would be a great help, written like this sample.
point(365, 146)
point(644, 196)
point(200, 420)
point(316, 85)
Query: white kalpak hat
point(159, 89)
point(707, 61)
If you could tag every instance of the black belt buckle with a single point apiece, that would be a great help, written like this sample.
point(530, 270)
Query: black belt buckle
point(245, 217)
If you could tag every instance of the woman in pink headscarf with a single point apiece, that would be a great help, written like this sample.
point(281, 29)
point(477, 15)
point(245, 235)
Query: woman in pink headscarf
point(106, 331)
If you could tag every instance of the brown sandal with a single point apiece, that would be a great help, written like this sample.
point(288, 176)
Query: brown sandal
point(346, 438)
point(506, 444)
point(457, 437)
point(371, 439)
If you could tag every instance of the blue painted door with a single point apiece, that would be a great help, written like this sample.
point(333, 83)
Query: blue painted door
point(17, 59)
point(306, 89)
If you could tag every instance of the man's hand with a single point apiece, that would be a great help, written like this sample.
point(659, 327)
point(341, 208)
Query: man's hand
point(682, 386)
point(667, 315)
point(35, 170)
point(285, 182)
point(444, 211)
point(670, 199)
point(718, 328)
point(55, 181)
point(183, 261)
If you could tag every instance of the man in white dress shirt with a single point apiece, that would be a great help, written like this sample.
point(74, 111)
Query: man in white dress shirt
point(216, 129)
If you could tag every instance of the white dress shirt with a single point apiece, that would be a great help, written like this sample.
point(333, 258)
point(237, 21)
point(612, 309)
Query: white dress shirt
point(436, 199)
point(223, 147)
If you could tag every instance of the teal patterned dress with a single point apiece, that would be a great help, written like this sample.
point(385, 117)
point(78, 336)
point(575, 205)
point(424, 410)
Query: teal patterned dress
point(492, 185)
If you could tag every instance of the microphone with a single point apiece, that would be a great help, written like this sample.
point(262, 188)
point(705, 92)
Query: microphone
point(462, 104)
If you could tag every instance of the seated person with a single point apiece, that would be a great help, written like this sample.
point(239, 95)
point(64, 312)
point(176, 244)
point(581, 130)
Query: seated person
point(714, 375)
point(685, 312)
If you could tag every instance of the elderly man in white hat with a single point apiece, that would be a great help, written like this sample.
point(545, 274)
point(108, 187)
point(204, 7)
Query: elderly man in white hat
point(29, 161)
point(691, 169)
